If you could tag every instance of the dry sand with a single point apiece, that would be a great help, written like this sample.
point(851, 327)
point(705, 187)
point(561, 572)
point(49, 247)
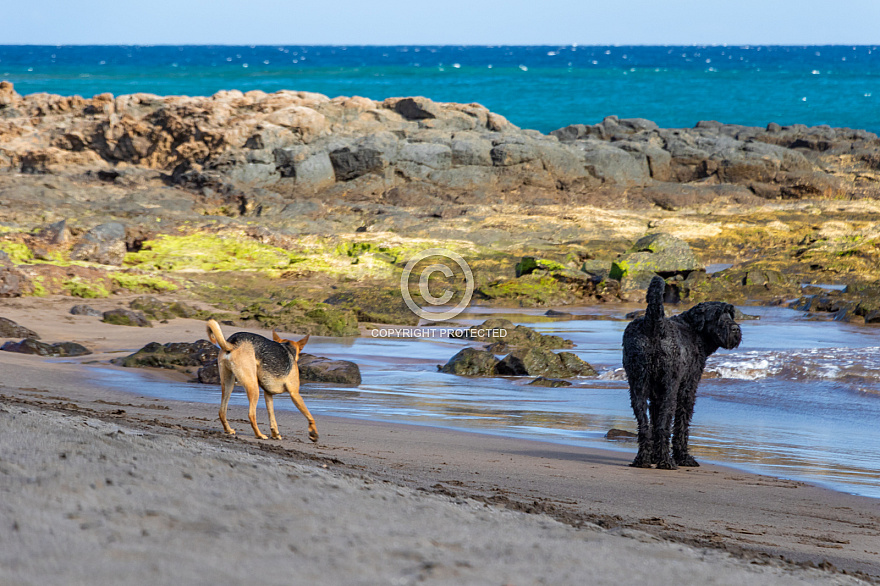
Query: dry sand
point(100, 486)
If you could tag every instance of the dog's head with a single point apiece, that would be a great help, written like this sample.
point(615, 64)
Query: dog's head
point(293, 346)
point(714, 321)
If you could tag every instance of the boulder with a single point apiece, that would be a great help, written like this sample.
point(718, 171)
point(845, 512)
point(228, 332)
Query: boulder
point(154, 308)
point(471, 362)
point(416, 108)
point(13, 281)
point(126, 317)
point(10, 329)
point(348, 164)
point(56, 233)
point(32, 346)
point(658, 253)
point(325, 370)
point(504, 331)
point(621, 435)
point(86, 310)
point(541, 362)
point(103, 244)
point(171, 355)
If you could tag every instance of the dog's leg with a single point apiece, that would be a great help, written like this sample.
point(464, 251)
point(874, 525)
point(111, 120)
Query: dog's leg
point(681, 428)
point(270, 407)
point(638, 394)
point(293, 390)
point(227, 383)
point(663, 423)
point(654, 412)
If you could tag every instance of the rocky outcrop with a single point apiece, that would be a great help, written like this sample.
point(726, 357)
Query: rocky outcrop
point(298, 144)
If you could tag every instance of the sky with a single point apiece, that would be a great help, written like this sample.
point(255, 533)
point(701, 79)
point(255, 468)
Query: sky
point(450, 22)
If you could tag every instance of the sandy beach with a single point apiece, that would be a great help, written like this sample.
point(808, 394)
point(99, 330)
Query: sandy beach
point(103, 486)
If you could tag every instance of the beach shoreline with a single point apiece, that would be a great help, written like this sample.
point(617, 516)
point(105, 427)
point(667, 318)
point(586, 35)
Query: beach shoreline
point(757, 519)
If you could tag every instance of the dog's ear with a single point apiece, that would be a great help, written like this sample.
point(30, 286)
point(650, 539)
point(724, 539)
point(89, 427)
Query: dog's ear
point(277, 338)
point(299, 344)
point(696, 317)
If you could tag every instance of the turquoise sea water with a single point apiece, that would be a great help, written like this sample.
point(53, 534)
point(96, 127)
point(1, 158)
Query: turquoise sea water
point(540, 87)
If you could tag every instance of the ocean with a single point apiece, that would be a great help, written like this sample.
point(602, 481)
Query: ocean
point(538, 87)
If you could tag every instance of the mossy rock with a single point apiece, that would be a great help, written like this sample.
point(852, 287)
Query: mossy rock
point(303, 317)
point(157, 309)
point(126, 317)
point(533, 290)
point(530, 264)
point(503, 331)
point(541, 362)
point(471, 362)
point(208, 252)
point(656, 253)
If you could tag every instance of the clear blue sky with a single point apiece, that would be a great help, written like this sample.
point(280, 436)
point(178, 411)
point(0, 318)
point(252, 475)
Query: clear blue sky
point(471, 22)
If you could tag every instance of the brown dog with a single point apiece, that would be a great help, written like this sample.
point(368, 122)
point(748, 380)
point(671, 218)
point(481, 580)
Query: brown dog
point(257, 362)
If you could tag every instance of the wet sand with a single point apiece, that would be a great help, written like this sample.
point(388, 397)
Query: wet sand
point(371, 502)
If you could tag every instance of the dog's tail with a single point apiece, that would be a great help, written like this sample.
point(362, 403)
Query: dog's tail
point(216, 336)
point(654, 313)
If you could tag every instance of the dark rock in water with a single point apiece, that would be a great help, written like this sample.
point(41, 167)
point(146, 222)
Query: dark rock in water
point(171, 355)
point(32, 346)
point(104, 244)
point(209, 374)
point(154, 308)
point(549, 382)
point(10, 329)
point(575, 366)
point(126, 317)
point(86, 310)
point(325, 370)
point(621, 435)
point(503, 330)
point(542, 362)
point(554, 313)
point(316, 369)
point(471, 362)
point(499, 348)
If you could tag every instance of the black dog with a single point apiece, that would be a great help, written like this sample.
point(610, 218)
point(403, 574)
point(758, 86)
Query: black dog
point(664, 360)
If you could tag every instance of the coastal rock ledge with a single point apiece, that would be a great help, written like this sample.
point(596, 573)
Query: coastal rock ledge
point(257, 151)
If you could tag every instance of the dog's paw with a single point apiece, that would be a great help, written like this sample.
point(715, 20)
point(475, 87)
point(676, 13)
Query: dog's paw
point(230, 431)
point(641, 462)
point(687, 461)
point(313, 435)
point(276, 436)
point(261, 436)
point(666, 465)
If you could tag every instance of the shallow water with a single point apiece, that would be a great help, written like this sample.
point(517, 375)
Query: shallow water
point(799, 399)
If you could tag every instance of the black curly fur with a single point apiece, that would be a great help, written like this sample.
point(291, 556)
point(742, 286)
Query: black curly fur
point(664, 361)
